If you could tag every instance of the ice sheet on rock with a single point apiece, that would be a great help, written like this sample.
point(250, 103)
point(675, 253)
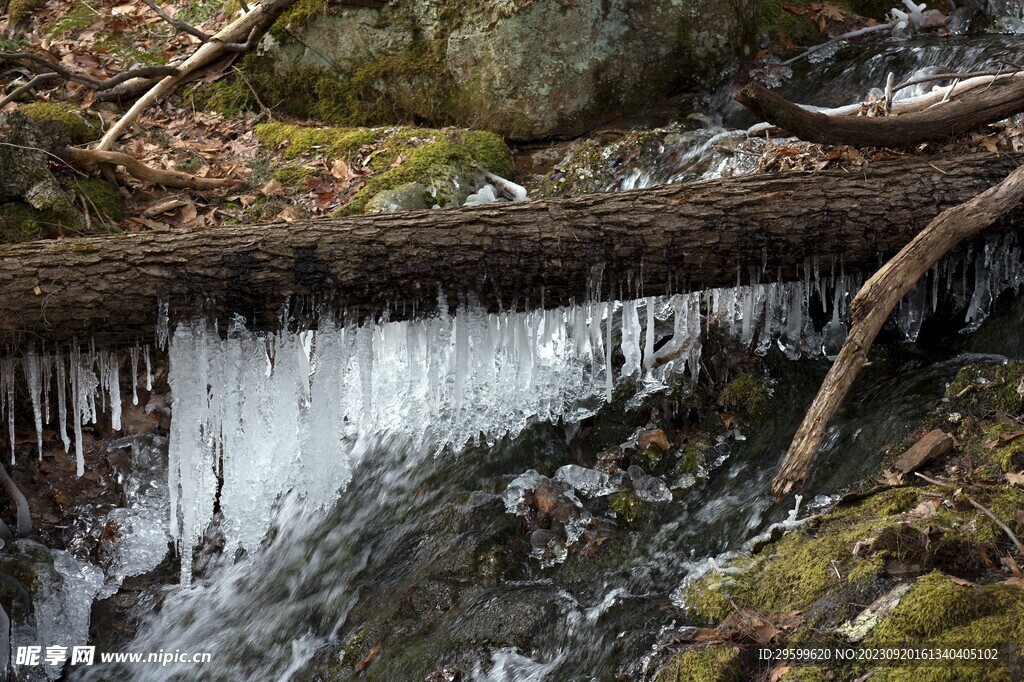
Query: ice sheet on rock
point(589, 482)
point(63, 609)
point(515, 493)
point(142, 537)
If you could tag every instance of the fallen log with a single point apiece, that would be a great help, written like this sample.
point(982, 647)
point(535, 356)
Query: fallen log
point(998, 100)
point(673, 239)
point(872, 305)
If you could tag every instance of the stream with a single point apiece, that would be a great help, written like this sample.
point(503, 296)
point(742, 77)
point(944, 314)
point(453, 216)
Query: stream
point(420, 568)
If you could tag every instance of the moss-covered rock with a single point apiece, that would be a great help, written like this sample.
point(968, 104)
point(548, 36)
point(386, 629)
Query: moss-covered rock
point(746, 395)
point(703, 664)
point(18, 10)
point(78, 129)
point(525, 68)
point(449, 164)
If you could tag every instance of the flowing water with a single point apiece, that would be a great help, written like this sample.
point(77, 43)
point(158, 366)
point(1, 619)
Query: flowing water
point(419, 559)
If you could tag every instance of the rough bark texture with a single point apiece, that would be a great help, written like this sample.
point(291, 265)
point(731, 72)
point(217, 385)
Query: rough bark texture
point(674, 238)
point(872, 305)
point(1000, 100)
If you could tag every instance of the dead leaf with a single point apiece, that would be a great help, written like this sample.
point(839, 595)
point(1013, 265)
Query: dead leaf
point(287, 215)
point(961, 581)
point(189, 212)
point(891, 477)
point(779, 672)
point(1016, 479)
point(273, 187)
point(164, 206)
point(340, 170)
point(989, 145)
point(361, 665)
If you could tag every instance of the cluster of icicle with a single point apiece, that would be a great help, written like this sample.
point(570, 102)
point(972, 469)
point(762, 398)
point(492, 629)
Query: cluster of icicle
point(82, 384)
point(260, 415)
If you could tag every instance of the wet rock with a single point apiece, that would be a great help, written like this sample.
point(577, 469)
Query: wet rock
point(933, 445)
point(409, 197)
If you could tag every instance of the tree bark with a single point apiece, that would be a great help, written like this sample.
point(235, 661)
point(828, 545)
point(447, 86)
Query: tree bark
point(997, 101)
point(671, 239)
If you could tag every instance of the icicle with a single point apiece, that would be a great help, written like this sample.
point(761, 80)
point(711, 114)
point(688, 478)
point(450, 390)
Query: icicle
point(78, 409)
point(649, 340)
point(630, 339)
point(7, 386)
point(134, 352)
point(33, 378)
point(62, 387)
point(149, 369)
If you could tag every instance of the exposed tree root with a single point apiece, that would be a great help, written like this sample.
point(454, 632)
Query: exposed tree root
point(83, 158)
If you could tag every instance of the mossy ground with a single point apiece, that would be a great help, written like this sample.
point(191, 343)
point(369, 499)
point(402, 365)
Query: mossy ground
point(447, 161)
point(929, 536)
point(705, 664)
point(20, 222)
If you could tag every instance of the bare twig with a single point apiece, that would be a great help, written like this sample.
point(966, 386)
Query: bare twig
point(54, 69)
point(176, 23)
point(980, 507)
point(838, 39)
point(252, 25)
point(35, 82)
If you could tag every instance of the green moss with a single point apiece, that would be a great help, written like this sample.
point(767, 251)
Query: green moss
point(330, 143)
point(705, 664)
point(101, 196)
point(22, 9)
point(297, 16)
point(746, 395)
point(79, 130)
point(936, 605)
point(21, 223)
point(805, 564)
point(628, 507)
point(805, 674)
point(1002, 397)
point(294, 176)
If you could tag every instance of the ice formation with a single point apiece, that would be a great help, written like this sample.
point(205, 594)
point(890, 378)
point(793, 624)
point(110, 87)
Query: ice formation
point(257, 416)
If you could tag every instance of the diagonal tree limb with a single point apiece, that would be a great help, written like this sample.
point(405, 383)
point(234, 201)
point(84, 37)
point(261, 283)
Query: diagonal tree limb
point(872, 306)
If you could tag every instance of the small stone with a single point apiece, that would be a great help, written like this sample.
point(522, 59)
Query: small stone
point(932, 445)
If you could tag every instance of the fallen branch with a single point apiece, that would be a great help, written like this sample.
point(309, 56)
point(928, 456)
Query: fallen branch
point(56, 70)
point(1003, 99)
point(239, 34)
point(83, 158)
point(982, 508)
point(177, 23)
point(873, 305)
point(683, 237)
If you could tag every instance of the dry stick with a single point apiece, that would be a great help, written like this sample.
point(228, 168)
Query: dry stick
point(55, 69)
point(177, 23)
point(873, 304)
point(167, 178)
point(838, 39)
point(38, 80)
point(983, 509)
point(245, 28)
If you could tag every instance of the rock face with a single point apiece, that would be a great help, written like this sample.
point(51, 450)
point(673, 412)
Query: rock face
point(524, 68)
